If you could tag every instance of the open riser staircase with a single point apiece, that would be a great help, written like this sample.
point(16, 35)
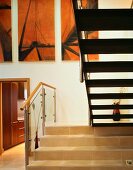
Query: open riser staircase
point(84, 148)
point(89, 20)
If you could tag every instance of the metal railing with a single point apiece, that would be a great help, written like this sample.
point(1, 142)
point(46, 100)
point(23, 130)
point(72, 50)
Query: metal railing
point(40, 108)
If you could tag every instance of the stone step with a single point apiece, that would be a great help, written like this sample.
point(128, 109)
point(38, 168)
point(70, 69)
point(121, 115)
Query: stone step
point(86, 140)
point(88, 130)
point(79, 165)
point(83, 153)
point(68, 130)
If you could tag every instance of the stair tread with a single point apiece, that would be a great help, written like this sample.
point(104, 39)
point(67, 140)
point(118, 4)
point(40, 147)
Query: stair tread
point(110, 96)
point(66, 136)
point(83, 136)
point(110, 83)
point(111, 116)
point(106, 46)
point(112, 66)
point(103, 19)
point(114, 124)
point(85, 130)
point(86, 140)
point(77, 163)
point(82, 148)
point(111, 106)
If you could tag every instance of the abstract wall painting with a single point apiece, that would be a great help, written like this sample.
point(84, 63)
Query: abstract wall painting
point(70, 49)
point(36, 30)
point(5, 31)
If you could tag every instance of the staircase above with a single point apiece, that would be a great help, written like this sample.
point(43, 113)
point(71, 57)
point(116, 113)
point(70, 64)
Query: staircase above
point(104, 79)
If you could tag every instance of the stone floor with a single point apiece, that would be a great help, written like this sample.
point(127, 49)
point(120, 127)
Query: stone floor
point(13, 159)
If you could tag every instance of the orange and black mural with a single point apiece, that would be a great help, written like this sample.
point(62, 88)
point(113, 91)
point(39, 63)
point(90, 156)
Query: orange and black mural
point(70, 49)
point(5, 31)
point(36, 30)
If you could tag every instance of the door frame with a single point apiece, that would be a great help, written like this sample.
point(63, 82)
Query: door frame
point(27, 80)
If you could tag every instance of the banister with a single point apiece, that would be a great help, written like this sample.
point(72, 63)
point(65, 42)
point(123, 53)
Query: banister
point(47, 85)
point(26, 103)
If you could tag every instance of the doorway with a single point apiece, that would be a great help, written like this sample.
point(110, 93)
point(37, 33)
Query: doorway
point(13, 93)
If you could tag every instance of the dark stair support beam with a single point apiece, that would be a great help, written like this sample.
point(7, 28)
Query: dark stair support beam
point(104, 19)
point(109, 83)
point(97, 96)
point(110, 107)
point(115, 66)
point(117, 124)
point(106, 46)
point(121, 116)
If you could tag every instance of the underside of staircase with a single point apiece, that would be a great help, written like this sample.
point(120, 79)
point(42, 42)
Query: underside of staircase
point(104, 101)
point(84, 148)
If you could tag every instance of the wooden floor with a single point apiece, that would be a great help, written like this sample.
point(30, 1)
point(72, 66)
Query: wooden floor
point(13, 159)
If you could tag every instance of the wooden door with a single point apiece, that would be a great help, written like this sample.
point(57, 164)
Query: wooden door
point(12, 128)
point(10, 118)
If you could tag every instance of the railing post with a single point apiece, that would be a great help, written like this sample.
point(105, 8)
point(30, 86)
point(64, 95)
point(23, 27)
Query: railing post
point(43, 110)
point(54, 105)
point(26, 125)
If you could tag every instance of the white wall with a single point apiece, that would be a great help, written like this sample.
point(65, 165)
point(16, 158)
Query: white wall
point(72, 104)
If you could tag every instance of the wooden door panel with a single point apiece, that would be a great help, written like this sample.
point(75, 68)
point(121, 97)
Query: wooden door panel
point(15, 133)
point(14, 114)
point(14, 99)
point(6, 115)
point(21, 131)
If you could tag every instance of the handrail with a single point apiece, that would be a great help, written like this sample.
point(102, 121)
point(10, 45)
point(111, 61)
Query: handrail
point(48, 85)
point(26, 103)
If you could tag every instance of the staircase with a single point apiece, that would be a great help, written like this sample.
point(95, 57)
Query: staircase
point(90, 147)
point(89, 20)
point(84, 148)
